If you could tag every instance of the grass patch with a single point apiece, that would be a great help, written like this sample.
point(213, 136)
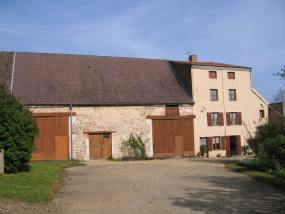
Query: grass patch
point(277, 182)
point(36, 181)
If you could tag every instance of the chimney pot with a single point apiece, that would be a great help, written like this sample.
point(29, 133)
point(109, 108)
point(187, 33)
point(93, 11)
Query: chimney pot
point(193, 58)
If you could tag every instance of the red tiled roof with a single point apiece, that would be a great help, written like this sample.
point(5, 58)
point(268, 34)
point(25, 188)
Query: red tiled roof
point(41, 78)
point(209, 64)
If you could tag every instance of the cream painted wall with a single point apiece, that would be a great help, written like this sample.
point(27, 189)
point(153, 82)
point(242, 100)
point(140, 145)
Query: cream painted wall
point(247, 101)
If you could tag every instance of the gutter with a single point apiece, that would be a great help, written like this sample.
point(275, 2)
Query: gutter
point(13, 69)
point(71, 140)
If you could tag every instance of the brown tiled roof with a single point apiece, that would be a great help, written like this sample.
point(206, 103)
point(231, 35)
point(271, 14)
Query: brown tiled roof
point(210, 64)
point(41, 78)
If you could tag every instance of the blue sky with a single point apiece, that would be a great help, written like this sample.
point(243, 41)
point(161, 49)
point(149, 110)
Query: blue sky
point(241, 32)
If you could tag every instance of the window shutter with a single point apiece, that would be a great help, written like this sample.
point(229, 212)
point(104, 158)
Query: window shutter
point(238, 145)
point(228, 114)
point(210, 143)
point(209, 119)
point(223, 139)
point(228, 145)
point(239, 118)
point(221, 118)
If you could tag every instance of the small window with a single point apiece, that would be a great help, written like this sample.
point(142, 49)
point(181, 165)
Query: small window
point(231, 75)
point(215, 119)
point(216, 143)
point(212, 74)
point(232, 95)
point(106, 135)
point(213, 94)
point(203, 141)
point(261, 113)
point(233, 118)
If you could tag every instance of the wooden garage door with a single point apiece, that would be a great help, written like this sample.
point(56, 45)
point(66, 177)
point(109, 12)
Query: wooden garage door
point(53, 140)
point(173, 137)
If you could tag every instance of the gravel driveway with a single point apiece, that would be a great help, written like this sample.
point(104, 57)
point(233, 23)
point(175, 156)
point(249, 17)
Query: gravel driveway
point(161, 186)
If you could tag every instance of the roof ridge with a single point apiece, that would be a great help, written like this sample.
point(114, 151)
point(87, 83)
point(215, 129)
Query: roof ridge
point(125, 57)
point(210, 64)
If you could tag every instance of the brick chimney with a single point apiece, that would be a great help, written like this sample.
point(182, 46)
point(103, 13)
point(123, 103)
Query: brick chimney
point(193, 58)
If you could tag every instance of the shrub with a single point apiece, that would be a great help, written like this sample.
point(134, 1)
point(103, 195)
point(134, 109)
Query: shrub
point(17, 131)
point(245, 149)
point(258, 139)
point(134, 147)
point(275, 149)
point(203, 149)
point(280, 173)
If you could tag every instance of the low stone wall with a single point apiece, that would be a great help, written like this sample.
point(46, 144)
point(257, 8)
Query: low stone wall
point(213, 154)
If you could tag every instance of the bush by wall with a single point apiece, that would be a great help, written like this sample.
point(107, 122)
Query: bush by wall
point(17, 131)
point(134, 147)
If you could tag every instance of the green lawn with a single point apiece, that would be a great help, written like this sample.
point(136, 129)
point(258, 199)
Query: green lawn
point(35, 182)
point(277, 182)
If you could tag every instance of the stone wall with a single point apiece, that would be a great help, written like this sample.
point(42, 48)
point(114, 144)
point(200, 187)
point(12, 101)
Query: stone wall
point(121, 121)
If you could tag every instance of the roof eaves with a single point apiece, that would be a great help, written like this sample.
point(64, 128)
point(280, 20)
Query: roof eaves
point(106, 104)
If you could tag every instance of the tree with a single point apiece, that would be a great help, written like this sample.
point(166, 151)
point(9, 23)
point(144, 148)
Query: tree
point(281, 73)
point(279, 97)
point(17, 131)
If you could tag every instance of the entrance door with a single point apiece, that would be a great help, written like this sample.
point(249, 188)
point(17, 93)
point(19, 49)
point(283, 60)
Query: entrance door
point(100, 146)
point(179, 148)
point(233, 145)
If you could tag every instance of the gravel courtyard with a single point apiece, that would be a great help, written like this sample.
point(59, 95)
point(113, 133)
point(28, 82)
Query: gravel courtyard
point(161, 186)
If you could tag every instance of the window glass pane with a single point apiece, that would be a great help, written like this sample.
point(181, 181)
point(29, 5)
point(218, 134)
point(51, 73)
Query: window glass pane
point(203, 140)
point(233, 118)
point(232, 94)
point(213, 94)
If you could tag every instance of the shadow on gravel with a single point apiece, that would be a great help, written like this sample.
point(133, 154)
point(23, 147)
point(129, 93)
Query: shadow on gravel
point(231, 195)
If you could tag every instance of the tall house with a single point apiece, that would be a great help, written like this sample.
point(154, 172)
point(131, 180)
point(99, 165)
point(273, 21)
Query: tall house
point(225, 104)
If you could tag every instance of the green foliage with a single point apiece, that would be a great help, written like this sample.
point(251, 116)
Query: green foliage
point(134, 147)
point(280, 173)
point(262, 176)
point(203, 149)
point(258, 139)
point(17, 131)
point(35, 181)
point(245, 149)
point(261, 164)
point(275, 148)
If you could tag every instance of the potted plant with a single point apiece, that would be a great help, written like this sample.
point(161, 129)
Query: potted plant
point(245, 149)
point(204, 150)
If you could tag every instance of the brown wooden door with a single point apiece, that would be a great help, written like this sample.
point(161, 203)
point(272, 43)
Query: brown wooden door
point(100, 146)
point(61, 147)
point(53, 140)
point(164, 132)
point(179, 148)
